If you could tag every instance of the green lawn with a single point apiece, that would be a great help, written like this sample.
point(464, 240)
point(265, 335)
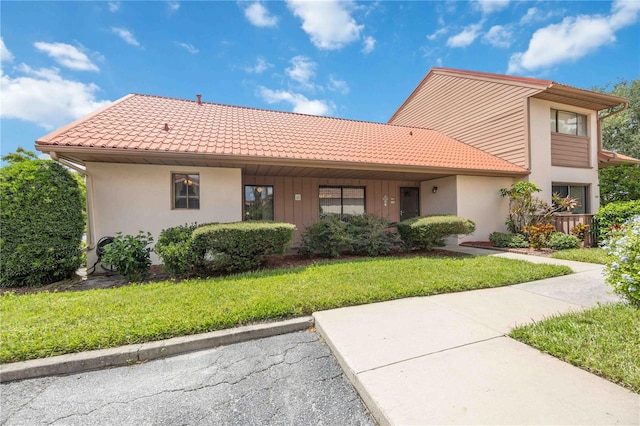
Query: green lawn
point(592, 255)
point(47, 324)
point(604, 340)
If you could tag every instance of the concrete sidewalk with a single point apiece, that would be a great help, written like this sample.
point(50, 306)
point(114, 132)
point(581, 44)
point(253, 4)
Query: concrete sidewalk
point(446, 359)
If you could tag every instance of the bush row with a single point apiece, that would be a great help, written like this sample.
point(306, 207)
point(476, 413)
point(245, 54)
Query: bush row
point(542, 238)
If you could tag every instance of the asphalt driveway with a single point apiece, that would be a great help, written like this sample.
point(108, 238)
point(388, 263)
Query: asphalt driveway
point(290, 379)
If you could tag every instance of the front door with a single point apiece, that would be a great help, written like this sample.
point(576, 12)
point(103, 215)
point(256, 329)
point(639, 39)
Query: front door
point(409, 202)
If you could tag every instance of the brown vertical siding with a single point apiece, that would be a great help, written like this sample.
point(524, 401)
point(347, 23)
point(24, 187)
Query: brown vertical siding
point(569, 150)
point(488, 115)
point(306, 211)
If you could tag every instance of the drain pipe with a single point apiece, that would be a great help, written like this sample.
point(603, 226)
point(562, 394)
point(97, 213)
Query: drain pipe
point(90, 223)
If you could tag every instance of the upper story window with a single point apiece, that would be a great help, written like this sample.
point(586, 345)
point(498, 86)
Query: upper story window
point(186, 190)
point(342, 200)
point(258, 202)
point(569, 123)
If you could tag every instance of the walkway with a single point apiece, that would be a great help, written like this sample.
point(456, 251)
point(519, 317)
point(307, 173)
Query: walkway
point(446, 359)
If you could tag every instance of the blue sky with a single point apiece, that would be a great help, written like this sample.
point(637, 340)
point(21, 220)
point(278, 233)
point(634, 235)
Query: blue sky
point(357, 60)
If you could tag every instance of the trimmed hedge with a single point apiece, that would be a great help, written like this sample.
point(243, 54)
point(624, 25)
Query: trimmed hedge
point(506, 239)
point(562, 241)
point(615, 214)
point(42, 223)
point(427, 232)
point(174, 249)
point(233, 247)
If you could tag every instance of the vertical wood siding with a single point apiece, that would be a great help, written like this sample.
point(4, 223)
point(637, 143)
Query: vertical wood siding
point(484, 114)
point(306, 211)
point(569, 150)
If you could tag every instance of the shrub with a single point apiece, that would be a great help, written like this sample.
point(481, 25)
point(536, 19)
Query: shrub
point(42, 223)
point(175, 252)
point(130, 255)
point(368, 235)
point(538, 235)
point(619, 183)
point(427, 232)
point(240, 246)
point(327, 237)
point(562, 241)
point(504, 239)
point(615, 213)
point(580, 230)
point(623, 268)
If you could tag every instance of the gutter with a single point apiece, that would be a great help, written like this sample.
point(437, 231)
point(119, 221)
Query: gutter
point(601, 119)
point(90, 223)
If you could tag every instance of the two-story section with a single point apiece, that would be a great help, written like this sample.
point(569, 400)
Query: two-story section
point(551, 129)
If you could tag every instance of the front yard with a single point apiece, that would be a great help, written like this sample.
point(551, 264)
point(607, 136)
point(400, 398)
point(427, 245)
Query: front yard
point(47, 324)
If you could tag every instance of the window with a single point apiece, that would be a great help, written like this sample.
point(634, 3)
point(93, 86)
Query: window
point(579, 192)
point(342, 200)
point(186, 190)
point(568, 123)
point(258, 202)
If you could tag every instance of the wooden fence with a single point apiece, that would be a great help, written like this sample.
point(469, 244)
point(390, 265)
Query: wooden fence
point(566, 222)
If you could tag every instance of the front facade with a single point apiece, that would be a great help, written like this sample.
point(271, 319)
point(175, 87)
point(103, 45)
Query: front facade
point(152, 162)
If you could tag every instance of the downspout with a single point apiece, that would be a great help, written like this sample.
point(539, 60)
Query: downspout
point(601, 119)
point(90, 223)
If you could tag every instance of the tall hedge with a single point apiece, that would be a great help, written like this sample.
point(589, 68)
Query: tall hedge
point(42, 223)
point(615, 214)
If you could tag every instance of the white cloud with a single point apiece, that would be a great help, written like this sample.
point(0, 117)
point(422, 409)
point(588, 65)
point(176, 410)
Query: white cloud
point(328, 23)
point(336, 85)
point(437, 33)
point(67, 55)
point(173, 6)
point(43, 97)
point(261, 66)
point(499, 36)
point(299, 102)
point(536, 15)
point(259, 16)
point(188, 47)
point(5, 54)
point(302, 70)
point(369, 45)
point(125, 35)
point(466, 36)
point(114, 6)
point(491, 6)
point(573, 38)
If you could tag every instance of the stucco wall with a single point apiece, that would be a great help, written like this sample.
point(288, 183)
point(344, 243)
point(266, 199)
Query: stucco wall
point(133, 197)
point(442, 202)
point(543, 173)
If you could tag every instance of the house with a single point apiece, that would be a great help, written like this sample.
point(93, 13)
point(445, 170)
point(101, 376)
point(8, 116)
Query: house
point(154, 162)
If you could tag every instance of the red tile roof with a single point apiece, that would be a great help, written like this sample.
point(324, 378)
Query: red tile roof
point(614, 159)
point(137, 123)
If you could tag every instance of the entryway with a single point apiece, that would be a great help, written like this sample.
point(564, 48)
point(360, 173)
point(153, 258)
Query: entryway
point(409, 202)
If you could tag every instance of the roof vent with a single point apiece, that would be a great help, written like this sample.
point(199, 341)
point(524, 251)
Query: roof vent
point(199, 99)
point(166, 127)
point(410, 133)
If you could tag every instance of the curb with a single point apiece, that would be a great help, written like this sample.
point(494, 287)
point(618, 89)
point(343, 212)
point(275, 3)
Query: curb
point(131, 354)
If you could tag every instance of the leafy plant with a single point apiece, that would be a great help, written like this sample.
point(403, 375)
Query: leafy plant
point(580, 231)
point(240, 246)
point(539, 235)
point(523, 206)
point(327, 237)
point(42, 222)
point(130, 255)
point(175, 251)
point(620, 183)
point(428, 232)
point(622, 271)
point(614, 214)
point(562, 241)
point(503, 239)
point(368, 235)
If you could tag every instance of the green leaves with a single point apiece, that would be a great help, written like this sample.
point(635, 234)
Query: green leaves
point(428, 232)
point(130, 255)
point(620, 183)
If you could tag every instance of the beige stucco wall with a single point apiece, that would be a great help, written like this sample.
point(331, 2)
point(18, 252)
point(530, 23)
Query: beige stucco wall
point(133, 197)
point(474, 197)
point(543, 173)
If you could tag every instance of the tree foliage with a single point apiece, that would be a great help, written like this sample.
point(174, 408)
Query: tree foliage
point(19, 156)
point(42, 222)
point(620, 183)
point(621, 132)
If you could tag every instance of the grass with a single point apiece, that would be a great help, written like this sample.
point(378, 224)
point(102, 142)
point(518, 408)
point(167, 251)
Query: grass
point(47, 324)
point(604, 340)
point(592, 255)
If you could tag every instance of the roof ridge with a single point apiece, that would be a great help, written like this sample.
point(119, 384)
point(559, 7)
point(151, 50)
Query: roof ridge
point(282, 112)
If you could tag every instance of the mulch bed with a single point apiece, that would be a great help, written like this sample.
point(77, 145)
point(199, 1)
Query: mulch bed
point(100, 280)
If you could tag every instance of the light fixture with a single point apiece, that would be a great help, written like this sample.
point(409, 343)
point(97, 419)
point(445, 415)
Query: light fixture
point(259, 189)
point(434, 189)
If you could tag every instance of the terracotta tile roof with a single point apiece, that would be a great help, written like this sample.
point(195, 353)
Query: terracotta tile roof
point(137, 122)
point(615, 159)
